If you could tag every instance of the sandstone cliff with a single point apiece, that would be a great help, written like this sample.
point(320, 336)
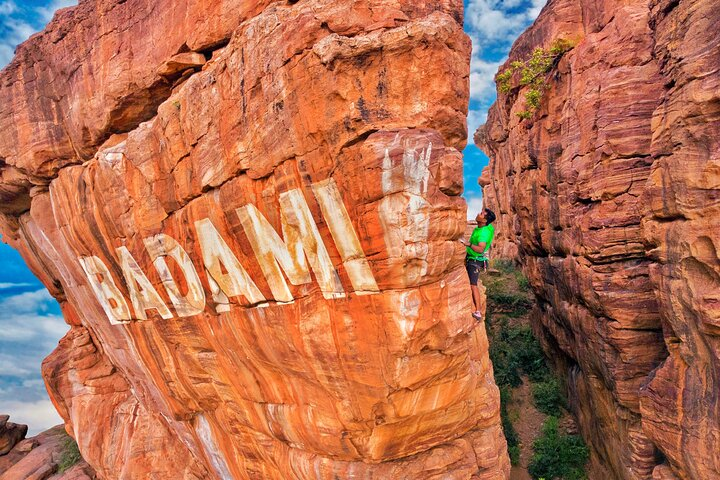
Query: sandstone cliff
point(610, 195)
point(248, 213)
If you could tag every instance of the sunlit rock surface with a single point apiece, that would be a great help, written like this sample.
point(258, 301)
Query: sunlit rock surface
point(42, 457)
point(248, 212)
point(611, 196)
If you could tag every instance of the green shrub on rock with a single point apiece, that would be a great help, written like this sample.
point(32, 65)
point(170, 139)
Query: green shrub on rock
point(532, 73)
point(70, 454)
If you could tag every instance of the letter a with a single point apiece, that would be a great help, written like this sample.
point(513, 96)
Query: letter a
point(216, 254)
point(106, 292)
point(142, 294)
point(161, 246)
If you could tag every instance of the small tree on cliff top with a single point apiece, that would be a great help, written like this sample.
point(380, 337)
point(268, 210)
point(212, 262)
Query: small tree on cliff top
point(532, 72)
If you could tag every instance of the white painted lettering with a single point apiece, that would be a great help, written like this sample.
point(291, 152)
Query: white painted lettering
point(143, 295)
point(345, 237)
point(106, 292)
point(216, 256)
point(302, 239)
point(296, 254)
point(161, 246)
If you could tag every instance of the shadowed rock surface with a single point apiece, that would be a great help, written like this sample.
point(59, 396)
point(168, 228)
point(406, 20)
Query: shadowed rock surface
point(248, 212)
point(10, 434)
point(610, 194)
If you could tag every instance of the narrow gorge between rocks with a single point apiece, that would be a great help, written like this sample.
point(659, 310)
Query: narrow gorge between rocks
point(609, 194)
point(251, 225)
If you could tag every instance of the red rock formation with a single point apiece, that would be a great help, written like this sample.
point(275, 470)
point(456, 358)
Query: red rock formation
point(10, 434)
point(609, 195)
point(248, 211)
point(39, 458)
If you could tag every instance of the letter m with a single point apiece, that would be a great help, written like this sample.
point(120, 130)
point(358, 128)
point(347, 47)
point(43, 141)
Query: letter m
point(301, 239)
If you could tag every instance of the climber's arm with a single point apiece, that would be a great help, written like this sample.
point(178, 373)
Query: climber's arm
point(479, 248)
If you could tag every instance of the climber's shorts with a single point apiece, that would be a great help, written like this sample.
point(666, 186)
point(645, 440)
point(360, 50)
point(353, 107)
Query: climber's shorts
point(474, 267)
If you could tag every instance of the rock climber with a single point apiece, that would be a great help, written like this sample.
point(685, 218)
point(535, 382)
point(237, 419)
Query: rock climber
point(476, 258)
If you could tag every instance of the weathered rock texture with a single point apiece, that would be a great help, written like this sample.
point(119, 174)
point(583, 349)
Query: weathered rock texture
point(610, 195)
point(10, 434)
point(40, 457)
point(248, 212)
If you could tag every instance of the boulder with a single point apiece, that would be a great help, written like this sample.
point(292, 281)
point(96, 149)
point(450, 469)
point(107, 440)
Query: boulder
point(259, 262)
point(10, 434)
point(45, 457)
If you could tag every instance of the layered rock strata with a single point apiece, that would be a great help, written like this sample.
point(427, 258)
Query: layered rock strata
point(610, 195)
point(248, 212)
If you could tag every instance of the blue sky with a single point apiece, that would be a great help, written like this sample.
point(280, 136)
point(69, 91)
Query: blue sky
point(492, 25)
point(30, 320)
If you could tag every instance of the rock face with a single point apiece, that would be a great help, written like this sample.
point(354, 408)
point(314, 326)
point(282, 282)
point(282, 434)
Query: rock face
point(40, 457)
point(10, 434)
point(248, 212)
point(610, 195)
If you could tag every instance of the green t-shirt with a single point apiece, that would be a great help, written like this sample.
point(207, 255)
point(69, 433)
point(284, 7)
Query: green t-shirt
point(480, 234)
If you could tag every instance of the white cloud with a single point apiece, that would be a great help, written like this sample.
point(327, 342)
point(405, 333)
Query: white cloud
point(38, 416)
point(492, 25)
point(14, 32)
point(27, 302)
point(482, 79)
point(7, 8)
point(475, 205)
point(7, 285)
point(46, 13)
point(6, 53)
point(475, 119)
point(13, 366)
point(26, 342)
point(17, 30)
point(47, 329)
point(29, 330)
point(536, 8)
point(17, 24)
point(500, 21)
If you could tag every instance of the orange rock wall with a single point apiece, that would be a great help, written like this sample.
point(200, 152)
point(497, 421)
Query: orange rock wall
point(610, 197)
point(248, 212)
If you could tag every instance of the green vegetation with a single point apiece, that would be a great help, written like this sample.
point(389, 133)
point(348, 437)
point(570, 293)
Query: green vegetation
point(511, 435)
point(506, 267)
point(548, 397)
point(70, 454)
point(508, 292)
point(513, 350)
point(532, 72)
point(558, 455)
point(516, 353)
point(514, 304)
